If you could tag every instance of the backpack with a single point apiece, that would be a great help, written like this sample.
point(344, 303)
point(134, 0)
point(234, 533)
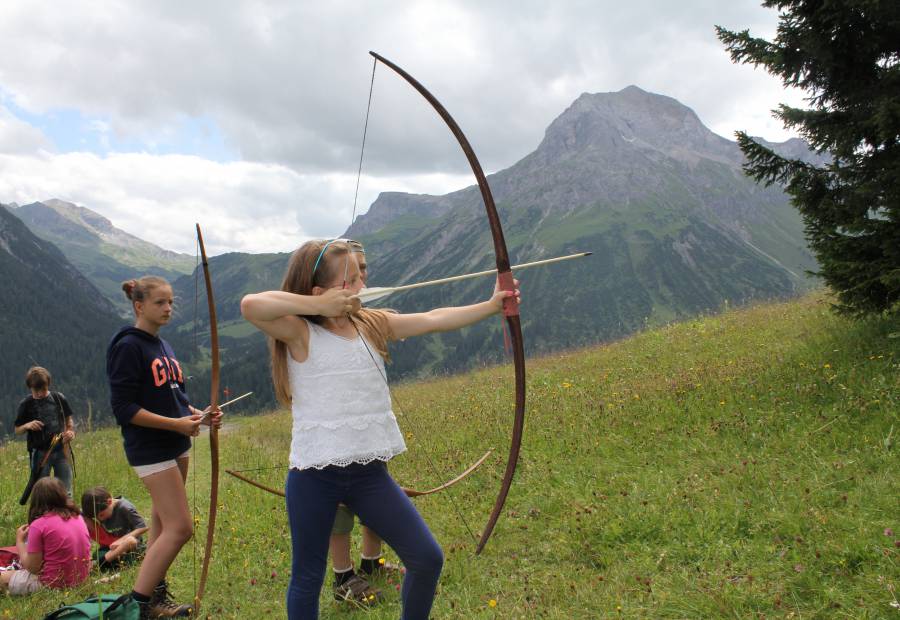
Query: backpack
point(102, 607)
point(8, 555)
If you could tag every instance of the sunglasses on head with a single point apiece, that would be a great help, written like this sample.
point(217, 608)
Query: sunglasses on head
point(355, 246)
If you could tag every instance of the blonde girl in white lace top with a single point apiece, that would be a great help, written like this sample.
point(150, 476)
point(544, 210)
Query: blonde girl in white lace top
point(343, 427)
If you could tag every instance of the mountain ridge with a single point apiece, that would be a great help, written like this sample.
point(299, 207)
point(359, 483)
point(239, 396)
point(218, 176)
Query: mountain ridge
point(594, 128)
point(104, 253)
point(675, 228)
point(695, 235)
point(56, 318)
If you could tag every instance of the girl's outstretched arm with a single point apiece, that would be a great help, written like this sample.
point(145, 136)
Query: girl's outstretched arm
point(448, 319)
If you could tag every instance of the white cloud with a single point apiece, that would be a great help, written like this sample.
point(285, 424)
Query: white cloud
point(241, 206)
point(17, 136)
point(287, 82)
point(284, 84)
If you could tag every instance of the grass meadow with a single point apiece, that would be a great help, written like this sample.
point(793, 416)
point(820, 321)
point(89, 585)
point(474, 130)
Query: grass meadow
point(742, 465)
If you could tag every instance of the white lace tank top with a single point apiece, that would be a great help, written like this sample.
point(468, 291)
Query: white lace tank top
point(341, 404)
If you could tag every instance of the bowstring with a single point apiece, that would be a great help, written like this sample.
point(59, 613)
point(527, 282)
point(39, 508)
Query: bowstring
point(362, 149)
point(428, 459)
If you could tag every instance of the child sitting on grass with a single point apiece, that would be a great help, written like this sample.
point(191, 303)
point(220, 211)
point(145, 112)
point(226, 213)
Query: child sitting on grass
point(54, 547)
point(115, 525)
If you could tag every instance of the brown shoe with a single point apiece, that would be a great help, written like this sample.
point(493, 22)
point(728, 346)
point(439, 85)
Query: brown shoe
point(163, 605)
point(357, 591)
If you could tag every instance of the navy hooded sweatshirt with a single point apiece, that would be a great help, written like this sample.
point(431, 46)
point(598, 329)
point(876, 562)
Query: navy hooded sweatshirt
point(144, 374)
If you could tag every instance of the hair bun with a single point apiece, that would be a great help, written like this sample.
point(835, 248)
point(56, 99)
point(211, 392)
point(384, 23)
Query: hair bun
point(128, 287)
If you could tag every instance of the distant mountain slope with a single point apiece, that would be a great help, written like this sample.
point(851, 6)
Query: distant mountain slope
point(50, 315)
point(104, 254)
point(675, 226)
point(627, 155)
point(243, 351)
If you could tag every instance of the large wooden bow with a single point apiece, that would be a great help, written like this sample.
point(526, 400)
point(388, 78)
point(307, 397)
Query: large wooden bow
point(213, 431)
point(36, 471)
point(505, 278)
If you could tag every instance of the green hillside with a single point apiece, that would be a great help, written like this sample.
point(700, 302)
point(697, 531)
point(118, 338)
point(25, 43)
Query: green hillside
point(742, 465)
point(50, 315)
point(675, 227)
point(635, 279)
point(106, 255)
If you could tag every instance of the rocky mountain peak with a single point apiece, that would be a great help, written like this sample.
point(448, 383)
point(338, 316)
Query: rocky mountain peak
point(390, 206)
point(795, 148)
point(91, 219)
point(632, 118)
point(63, 222)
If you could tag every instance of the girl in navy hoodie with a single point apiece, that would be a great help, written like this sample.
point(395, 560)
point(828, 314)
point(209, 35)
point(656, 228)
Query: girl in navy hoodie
point(147, 393)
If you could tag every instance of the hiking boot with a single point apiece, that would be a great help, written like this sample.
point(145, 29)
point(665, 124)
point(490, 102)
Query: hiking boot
point(357, 591)
point(163, 605)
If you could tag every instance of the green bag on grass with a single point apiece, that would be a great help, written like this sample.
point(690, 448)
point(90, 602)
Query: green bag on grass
point(103, 607)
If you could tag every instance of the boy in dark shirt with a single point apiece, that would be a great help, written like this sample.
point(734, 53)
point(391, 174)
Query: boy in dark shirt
point(115, 525)
point(44, 414)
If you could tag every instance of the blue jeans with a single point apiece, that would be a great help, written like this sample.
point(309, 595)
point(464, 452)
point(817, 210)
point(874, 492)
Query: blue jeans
point(58, 463)
point(312, 496)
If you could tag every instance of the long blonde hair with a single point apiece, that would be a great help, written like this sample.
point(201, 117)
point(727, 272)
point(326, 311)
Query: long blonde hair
point(301, 276)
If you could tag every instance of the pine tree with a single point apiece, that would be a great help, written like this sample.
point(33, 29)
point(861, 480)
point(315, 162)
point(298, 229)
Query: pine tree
point(846, 57)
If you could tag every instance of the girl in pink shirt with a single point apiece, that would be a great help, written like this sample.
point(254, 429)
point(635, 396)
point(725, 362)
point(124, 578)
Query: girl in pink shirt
point(54, 548)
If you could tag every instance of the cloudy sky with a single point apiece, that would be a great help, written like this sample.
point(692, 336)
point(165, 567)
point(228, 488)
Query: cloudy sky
point(247, 116)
